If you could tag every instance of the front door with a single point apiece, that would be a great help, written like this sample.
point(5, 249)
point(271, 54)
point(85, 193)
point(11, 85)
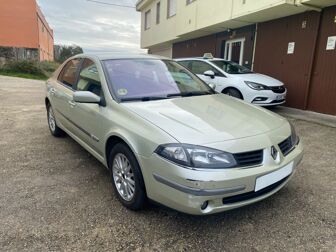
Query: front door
point(88, 118)
point(199, 67)
point(234, 50)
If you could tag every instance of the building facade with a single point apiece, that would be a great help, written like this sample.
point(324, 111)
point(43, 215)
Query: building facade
point(291, 40)
point(24, 31)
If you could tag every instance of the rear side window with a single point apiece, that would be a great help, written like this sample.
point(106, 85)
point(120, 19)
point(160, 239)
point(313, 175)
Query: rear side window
point(69, 73)
point(89, 79)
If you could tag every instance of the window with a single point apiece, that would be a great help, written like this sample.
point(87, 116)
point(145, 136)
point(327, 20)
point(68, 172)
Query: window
point(199, 67)
point(147, 20)
point(42, 28)
point(158, 9)
point(69, 73)
point(231, 67)
point(190, 1)
point(140, 78)
point(171, 11)
point(89, 78)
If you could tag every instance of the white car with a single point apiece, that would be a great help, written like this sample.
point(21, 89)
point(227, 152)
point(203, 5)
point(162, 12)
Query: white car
point(230, 78)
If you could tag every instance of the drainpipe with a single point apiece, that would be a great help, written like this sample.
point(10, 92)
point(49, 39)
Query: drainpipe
point(299, 3)
point(254, 46)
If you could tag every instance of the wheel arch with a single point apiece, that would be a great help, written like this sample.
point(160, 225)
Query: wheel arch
point(230, 87)
point(46, 101)
point(114, 139)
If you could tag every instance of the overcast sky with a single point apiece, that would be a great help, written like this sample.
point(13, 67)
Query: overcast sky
point(93, 26)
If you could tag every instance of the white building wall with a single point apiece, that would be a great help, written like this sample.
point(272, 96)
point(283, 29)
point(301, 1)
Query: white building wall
point(204, 17)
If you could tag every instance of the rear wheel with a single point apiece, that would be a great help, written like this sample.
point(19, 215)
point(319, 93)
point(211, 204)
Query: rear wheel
point(126, 177)
point(233, 92)
point(54, 129)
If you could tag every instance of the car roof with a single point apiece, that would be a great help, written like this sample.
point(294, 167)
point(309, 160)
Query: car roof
point(200, 58)
point(119, 55)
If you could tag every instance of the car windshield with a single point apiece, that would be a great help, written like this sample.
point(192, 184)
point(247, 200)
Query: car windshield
point(231, 67)
point(152, 79)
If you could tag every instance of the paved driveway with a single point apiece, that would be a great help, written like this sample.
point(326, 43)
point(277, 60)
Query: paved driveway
point(55, 196)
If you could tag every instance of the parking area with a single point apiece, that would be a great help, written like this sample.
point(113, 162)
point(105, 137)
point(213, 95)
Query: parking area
point(55, 196)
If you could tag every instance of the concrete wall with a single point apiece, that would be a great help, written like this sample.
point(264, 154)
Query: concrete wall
point(205, 17)
point(192, 20)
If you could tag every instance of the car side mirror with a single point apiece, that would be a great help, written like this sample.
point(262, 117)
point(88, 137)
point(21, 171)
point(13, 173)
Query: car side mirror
point(86, 97)
point(210, 74)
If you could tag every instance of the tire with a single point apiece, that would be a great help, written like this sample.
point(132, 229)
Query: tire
point(126, 177)
point(54, 129)
point(234, 93)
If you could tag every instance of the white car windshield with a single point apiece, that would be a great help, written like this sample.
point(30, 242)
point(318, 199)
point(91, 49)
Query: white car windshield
point(231, 67)
point(152, 79)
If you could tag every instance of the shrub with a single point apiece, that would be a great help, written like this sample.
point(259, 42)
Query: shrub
point(39, 69)
point(23, 66)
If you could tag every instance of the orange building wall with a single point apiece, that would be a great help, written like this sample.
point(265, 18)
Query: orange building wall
point(46, 40)
point(21, 23)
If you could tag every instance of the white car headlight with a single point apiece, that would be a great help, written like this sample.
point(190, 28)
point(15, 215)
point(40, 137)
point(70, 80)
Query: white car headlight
point(294, 137)
point(196, 156)
point(256, 86)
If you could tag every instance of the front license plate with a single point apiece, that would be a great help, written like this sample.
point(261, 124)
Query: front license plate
point(273, 177)
point(280, 97)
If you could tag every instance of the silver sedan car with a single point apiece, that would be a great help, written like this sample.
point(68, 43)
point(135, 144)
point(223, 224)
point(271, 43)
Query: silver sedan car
point(165, 135)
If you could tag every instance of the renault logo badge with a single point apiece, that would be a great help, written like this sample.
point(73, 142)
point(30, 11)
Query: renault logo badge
point(274, 153)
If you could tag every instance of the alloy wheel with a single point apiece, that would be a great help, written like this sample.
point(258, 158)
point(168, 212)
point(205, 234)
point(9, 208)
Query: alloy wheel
point(51, 119)
point(123, 177)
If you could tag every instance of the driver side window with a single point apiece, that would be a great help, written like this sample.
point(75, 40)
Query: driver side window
point(89, 79)
point(199, 67)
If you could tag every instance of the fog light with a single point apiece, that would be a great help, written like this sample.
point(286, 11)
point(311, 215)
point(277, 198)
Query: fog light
point(260, 99)
point(204, 205)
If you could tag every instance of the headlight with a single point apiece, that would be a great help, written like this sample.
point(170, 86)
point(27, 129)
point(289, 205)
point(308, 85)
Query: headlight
point(196, 156)
point(294, 137)
point(256, 86)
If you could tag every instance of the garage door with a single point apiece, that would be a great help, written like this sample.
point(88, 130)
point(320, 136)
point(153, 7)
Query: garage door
point(322, 95)
point(285, 50)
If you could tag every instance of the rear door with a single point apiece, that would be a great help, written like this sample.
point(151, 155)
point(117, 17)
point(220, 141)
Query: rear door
point(63, 93)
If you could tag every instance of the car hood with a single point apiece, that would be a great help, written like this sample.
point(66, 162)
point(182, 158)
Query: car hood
point(259, 78)
point(207, 119)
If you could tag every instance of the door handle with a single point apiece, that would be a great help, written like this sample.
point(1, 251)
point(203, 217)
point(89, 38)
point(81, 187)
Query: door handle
point(72, 103)
point(52, 91)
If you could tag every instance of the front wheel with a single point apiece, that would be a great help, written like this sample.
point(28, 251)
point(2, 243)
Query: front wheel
point(127, 178)
point(233, 92)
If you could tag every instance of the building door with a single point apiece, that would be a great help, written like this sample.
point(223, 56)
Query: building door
point(234, 50)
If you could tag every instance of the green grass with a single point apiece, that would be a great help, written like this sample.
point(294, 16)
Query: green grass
point(23, 75)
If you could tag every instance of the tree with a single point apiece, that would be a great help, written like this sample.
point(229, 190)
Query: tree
point(63, 52)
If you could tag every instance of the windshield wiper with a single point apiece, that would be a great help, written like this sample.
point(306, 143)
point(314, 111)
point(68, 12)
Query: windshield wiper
point(145, 98)
point(187, 94)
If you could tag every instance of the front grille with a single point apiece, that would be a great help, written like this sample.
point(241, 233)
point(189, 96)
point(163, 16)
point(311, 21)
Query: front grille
point(278, 89)
point(252, 195)
point(286, 146)
point(251, 158)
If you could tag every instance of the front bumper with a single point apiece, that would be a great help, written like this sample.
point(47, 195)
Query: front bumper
point(266, 98)
point(186, 190)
